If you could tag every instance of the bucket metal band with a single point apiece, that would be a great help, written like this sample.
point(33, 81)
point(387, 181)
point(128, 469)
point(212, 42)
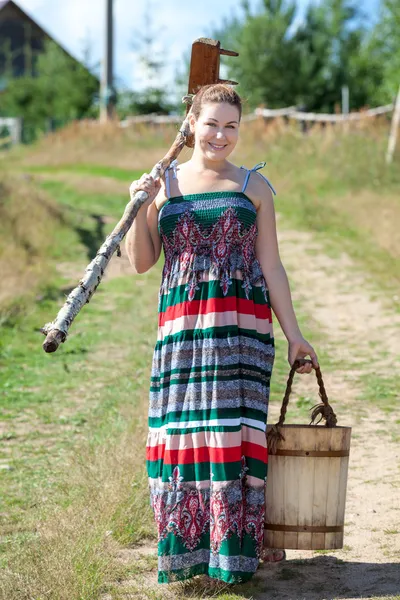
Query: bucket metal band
point(305, 528)
point(313, 453)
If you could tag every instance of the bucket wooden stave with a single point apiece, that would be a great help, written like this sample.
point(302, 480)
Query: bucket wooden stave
point(305, 493)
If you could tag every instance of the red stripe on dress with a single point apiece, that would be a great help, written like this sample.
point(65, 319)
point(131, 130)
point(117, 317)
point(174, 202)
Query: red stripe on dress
point(255, 451)
point(155, 452)
point(201, 454)
point(210, 305)
point(206, 454)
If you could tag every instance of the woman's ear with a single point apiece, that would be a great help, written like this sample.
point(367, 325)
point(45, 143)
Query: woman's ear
point(192, 122)
point(190, 142)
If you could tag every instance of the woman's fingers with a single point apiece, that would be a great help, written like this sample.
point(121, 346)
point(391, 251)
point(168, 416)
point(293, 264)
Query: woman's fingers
point(146, 184)
point(314, 359)
point(306, 368)
point(298, 350)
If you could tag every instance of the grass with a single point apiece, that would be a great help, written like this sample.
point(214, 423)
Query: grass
point(125, 175)
point(74, 424)
point(72, 437)
point(380, 391)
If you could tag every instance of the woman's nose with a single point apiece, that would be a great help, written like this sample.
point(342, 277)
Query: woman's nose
point(220, 134)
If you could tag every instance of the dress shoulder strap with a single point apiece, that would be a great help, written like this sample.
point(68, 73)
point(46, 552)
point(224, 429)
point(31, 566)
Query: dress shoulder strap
point(260, 165)
point(172, 167)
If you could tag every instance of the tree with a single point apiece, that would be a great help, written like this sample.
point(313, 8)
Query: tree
point(280, 65)
point(268, 63)
point(329, 43)
point(384, 45)
point(152, 99)
point(62, 90)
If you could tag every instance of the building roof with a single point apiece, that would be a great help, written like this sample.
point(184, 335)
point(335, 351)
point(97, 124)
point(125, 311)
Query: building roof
point(3, 3)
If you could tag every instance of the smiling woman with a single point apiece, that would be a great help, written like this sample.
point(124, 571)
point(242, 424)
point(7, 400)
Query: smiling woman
point(206, 447)
point(206, 100)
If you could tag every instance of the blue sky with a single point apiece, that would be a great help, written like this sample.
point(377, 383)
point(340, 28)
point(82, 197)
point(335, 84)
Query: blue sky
point(178, 23)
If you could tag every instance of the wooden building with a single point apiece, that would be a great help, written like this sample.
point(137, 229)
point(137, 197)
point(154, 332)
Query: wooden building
point(21, 40)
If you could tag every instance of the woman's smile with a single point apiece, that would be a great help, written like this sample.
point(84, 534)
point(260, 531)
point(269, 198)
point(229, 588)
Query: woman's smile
point(218, 147)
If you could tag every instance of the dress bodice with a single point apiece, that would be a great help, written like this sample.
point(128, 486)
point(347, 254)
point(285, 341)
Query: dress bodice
point(211, 231)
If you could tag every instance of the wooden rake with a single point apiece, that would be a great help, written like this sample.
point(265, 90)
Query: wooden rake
point(204, 70)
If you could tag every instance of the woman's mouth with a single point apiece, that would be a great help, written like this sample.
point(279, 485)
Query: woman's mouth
point(217, 148)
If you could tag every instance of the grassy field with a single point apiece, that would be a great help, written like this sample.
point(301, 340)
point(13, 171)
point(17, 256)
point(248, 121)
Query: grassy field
point(73, 426)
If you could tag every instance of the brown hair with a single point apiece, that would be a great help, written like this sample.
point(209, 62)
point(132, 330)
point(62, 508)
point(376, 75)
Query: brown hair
point(215, 92)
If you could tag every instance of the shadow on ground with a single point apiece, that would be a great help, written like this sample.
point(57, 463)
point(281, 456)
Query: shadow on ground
point(92, 239)
point(318, 578)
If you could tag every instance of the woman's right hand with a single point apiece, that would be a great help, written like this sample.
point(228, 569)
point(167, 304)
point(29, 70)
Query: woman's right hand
point(148, 185)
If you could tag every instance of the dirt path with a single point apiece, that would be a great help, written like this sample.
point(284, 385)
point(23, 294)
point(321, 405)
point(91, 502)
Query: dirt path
point(359, 325)
point(364, 332)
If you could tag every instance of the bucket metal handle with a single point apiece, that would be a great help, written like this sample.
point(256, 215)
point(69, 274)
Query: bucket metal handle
point(323, 410)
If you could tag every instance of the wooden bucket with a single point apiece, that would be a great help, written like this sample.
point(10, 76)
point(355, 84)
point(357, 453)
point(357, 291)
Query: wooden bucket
point(307, 479)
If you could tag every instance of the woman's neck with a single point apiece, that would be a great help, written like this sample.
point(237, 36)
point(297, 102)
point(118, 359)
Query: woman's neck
point(200, 163)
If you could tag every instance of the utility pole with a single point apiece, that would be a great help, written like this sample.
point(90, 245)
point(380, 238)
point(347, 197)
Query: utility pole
point(107, 93)
point(345, 99)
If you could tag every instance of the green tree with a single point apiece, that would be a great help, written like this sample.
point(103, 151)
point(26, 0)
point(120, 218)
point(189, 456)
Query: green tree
point(62, 90)
point(384, 46)
point(280, 65)
point(153, 98)
point(268, 62)
point(330, 42)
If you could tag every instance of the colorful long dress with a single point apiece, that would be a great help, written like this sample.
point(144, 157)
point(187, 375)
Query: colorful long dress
point(206, 451)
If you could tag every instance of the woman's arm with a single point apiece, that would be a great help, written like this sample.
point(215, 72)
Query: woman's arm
point(267, 252)
point(142, 242)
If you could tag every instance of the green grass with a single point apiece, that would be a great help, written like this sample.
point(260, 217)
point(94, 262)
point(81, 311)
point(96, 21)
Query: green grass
point(381, 391)
point(51, 392)
point(61, 412)
point(85, 204)
point(125, 175)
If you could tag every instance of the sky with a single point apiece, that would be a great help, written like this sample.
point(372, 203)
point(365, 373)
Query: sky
point(74, 23)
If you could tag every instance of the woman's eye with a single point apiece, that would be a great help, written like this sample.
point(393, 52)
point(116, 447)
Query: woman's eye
point(211, 124)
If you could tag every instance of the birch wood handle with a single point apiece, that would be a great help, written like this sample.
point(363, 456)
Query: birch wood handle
point(56, 331)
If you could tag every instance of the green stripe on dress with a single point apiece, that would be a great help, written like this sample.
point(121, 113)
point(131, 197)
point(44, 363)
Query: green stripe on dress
point(200, 368)
point(214, 332)
point(209, 414)
point(201, 471)
point(212, 289)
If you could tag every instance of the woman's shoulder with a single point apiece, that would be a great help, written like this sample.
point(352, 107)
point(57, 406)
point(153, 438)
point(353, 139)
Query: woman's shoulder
point(257, 187)
point(259, 182)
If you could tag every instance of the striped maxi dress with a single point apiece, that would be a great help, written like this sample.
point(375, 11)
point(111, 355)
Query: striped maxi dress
point(206, 454)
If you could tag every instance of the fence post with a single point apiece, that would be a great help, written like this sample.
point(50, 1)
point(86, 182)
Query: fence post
point(393, 130)
point(16, 132)
point(14, 125)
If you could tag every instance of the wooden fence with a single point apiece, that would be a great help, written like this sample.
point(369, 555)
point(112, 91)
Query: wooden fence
point(290, 112)
point(14, 127)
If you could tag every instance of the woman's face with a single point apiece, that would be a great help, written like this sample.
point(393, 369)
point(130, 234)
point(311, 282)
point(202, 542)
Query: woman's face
point(216, 130)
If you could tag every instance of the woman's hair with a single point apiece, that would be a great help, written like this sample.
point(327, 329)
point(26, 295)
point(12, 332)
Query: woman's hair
point(213, 93)
point(216, 92)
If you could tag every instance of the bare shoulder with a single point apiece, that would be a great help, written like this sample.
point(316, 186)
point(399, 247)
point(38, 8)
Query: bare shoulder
point(259, 192)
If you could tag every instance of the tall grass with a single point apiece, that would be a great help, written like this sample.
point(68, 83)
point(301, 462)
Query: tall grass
point(29, 224)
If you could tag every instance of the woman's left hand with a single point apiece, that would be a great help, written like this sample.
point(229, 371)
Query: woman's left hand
point(300, 348)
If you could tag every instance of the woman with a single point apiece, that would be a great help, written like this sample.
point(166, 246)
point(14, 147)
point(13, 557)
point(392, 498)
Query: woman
point(212, 362)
